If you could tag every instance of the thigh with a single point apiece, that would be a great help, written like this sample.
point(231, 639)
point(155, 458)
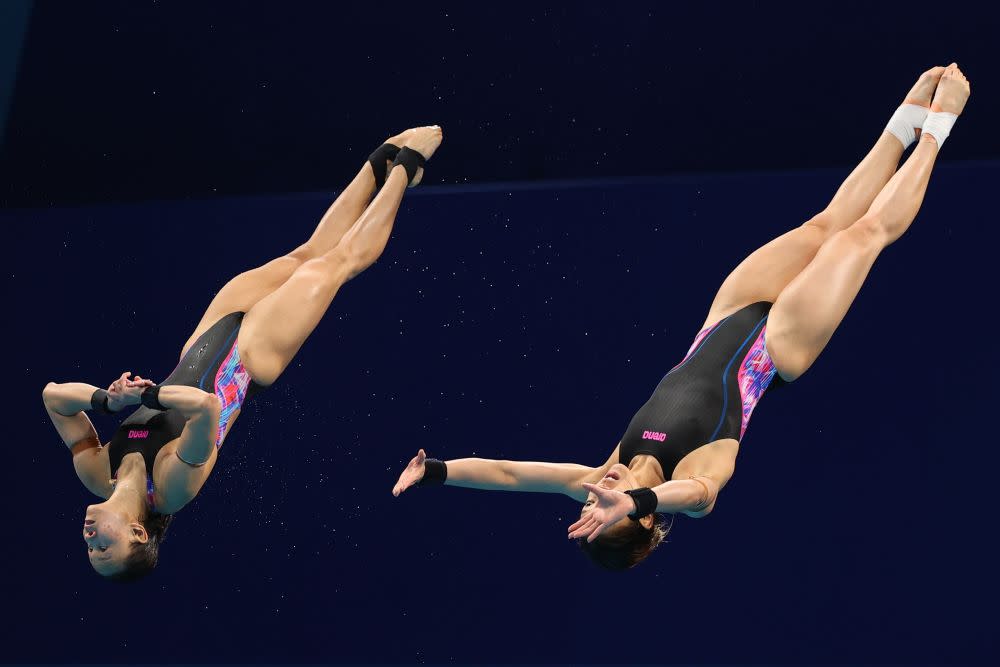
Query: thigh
point(276, 326)
point(768, 270)
point(808, 311)
point(244, 291)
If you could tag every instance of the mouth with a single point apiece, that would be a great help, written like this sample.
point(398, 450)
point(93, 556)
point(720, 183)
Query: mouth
point(613, 474)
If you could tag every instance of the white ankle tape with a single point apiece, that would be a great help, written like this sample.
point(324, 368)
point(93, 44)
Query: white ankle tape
point(938, 125)
point(905, 121)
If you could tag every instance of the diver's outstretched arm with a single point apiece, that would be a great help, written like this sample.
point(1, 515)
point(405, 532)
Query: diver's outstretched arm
point(495, 475)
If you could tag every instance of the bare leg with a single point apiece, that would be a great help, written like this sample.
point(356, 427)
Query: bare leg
point(249, 287)
point(810, 308)
point(765, 273)
point(276, 326)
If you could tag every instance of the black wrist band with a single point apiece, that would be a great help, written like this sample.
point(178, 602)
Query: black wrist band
point(435, 473)
point(99, 402)
point(150, 397)
point(645, 502)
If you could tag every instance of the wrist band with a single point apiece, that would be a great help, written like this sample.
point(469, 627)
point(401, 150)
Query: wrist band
point(435, 473)
point(150, 397)
point(99, 402)
point(645, 502)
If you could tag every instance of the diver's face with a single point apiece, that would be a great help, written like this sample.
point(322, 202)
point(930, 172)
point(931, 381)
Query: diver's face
point(618, 478)
point(109, 537)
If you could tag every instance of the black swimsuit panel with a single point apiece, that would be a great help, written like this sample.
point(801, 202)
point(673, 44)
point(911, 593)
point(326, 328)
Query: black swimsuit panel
point(709, 395)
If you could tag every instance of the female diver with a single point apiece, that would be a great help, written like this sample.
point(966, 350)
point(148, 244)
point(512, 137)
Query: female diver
point(161, 455)
point(770, 320)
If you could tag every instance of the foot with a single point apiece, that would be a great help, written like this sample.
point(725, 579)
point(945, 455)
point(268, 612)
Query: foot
point(952, 91)
point(923, 89)
point(424, 140)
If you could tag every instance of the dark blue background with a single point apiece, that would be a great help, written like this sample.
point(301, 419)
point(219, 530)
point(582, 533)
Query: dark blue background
point(526, 321)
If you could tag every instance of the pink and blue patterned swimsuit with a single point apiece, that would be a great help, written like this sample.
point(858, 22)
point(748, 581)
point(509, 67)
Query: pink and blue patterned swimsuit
point(211, 364)
point(709, 395)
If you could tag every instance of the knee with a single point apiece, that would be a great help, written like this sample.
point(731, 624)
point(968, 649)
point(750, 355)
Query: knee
point(869, 230)
point(823, 222)
point(355, 257)
point(327, 271)
point(303, 253)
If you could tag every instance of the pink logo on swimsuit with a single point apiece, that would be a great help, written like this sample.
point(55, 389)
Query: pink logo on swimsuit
point(653, 435)
point(138, 434)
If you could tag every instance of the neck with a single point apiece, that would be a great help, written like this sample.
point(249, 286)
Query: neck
point(129, 495)
point(647, 470)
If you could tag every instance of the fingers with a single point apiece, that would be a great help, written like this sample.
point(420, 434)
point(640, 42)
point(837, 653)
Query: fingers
point(600, 529)
point(587, 526)
point(421, 456)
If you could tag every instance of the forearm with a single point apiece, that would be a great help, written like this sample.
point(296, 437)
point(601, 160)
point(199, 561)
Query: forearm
point(189, 401)
point(679, 496)
point(486, 474)
point(69, 398)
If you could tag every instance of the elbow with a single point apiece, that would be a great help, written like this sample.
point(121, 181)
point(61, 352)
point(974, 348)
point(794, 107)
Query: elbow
point(210, 405)
point(49, 392)
point(507, 477)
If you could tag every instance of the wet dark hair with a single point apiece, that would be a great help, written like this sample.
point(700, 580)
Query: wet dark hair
point(626, 547)
point(142, 558)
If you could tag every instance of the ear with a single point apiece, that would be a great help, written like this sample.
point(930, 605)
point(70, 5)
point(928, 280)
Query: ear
point(139, 533)
point(647, 521)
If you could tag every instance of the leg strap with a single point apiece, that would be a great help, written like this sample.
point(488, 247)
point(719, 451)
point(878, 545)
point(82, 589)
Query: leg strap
point(410, 160)
point(938, 125)
point(905, 121)
point(384, 153)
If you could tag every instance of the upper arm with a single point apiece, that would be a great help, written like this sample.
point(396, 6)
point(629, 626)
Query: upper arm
point(179, 482)
point(566, 478)
point(90, 461)
point(197, 441)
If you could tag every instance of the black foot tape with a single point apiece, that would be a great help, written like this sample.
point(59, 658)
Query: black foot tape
point(384, 153)
point(410, 160)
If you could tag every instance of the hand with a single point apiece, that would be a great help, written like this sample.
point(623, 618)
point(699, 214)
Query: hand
point(413, 473)
point(610, 508)
point(124, 391)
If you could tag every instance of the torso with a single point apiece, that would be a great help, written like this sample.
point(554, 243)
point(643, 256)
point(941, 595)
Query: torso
point(211, 364)
point(693, 423)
